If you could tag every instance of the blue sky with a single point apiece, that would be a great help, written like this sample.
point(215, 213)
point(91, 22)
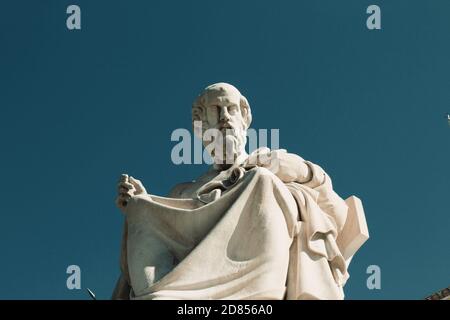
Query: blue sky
point(78, 108)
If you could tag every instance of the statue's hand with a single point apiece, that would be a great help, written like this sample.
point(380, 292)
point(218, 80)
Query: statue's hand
point(127, 188)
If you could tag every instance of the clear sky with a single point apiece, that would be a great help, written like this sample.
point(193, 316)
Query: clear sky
point(78, 108)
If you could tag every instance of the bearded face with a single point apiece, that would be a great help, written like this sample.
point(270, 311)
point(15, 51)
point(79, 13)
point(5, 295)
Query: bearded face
point(227, 143)
point(224, 129)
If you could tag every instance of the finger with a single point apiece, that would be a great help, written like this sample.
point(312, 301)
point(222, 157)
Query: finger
point(125, 190)
point(264, 159)
point(123, 178)
point(252, 160)
point(256, 160)
point(125, 195)
point(125, 185)
point(137, 184)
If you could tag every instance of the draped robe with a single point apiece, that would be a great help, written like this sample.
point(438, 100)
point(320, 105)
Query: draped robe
point(243, 234)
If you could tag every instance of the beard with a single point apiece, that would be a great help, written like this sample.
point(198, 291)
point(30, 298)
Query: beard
point(227, 144)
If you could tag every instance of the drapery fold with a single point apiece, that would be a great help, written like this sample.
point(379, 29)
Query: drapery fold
point(247, 236)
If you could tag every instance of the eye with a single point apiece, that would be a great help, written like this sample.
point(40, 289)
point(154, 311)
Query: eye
point(232, 109)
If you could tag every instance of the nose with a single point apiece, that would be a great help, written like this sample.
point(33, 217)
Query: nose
point(224, 115)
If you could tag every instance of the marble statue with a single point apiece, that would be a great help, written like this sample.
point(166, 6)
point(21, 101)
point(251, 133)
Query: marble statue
point(265, 225)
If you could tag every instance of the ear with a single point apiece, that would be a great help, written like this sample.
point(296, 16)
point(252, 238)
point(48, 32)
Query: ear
point(245, 111)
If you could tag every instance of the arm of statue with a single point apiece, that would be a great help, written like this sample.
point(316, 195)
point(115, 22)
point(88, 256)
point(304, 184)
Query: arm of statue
point(290, 167)
point(127, 187)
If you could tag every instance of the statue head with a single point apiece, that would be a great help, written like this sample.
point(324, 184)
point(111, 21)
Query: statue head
point(224, 116)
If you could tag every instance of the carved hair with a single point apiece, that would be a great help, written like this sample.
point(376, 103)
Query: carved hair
point(199, 108)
